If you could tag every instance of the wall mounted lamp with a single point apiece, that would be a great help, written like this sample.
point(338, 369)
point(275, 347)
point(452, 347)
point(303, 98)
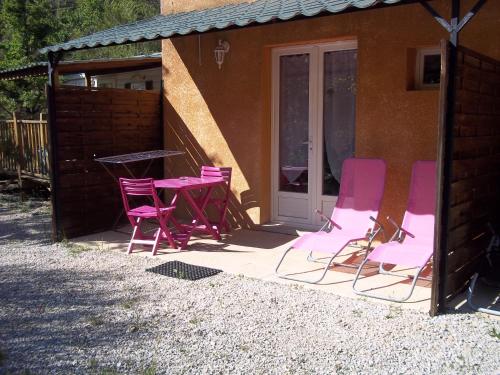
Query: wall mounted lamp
point(220, 51)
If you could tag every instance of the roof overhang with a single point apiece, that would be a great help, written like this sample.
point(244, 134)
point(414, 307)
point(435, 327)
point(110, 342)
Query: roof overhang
point(218, 18)
point(89, 67)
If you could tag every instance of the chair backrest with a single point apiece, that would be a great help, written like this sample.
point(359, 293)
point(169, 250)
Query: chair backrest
point(361, 189)
point(138, 187)
point(224, 172)
point(421, 208)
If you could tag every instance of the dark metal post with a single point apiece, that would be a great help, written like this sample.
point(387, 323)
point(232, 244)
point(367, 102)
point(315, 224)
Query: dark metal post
point(455, 20)
point(447, 159)
point(162, 125)
point(53, 150)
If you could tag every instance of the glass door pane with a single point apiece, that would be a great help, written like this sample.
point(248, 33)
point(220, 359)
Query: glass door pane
point(294, 123)
point(339, 110)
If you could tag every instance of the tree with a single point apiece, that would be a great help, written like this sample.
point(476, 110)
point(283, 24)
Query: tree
point(28, 25)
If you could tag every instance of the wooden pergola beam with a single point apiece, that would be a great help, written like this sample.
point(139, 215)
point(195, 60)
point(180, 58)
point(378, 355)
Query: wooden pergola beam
point(53, 61)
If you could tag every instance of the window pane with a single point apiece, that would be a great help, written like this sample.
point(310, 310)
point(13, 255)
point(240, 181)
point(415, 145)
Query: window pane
point(294, 123)
point(432, 69)
point(339, 112)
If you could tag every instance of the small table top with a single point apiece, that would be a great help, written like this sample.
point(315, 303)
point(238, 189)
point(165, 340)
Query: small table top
point(138, 156)
point(188, 183)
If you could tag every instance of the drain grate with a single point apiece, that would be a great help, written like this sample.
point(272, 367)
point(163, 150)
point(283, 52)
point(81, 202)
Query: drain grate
point(184, 271)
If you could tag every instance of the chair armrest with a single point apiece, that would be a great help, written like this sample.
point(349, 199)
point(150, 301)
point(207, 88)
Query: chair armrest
point(333, 223)
point(373, 233)
point(398, 228)
point(380, 226)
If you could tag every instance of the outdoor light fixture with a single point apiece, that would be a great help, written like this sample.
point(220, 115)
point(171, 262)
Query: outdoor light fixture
point(219, 52)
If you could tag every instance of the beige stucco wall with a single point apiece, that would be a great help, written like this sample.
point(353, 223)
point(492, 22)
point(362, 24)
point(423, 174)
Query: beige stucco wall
point(224, 116)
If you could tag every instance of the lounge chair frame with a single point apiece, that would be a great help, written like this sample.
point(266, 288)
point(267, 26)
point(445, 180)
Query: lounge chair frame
point(494, 244)
point(370, 236)
point(399, 236)
point(384, 272)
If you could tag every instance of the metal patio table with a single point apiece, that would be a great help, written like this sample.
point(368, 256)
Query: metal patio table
point(135, 157)
point(125, 159)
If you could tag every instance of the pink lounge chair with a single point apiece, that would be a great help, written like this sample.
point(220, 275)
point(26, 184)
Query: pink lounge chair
point(220, 203)
point(412, 244)
point(354, 216)
point(145, 188)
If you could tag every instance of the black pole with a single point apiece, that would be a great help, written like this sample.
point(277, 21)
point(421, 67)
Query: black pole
point(53, 60)
point(448, 156)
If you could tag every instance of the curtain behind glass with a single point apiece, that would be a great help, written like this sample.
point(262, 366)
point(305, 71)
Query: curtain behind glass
point(339, 110)
point(294, 122)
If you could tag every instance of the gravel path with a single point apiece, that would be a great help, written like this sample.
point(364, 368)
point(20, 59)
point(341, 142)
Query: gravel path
point(68, 310)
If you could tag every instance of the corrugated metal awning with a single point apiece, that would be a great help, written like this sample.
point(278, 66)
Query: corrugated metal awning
point(235, 15)
point(92, 67)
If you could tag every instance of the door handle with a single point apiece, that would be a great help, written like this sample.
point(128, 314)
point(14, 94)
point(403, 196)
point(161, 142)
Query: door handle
point(309, 143)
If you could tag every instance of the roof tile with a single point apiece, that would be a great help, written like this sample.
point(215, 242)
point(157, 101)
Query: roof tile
point(242, 14)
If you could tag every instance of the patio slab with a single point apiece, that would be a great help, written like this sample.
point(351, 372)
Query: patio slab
point(255, 254)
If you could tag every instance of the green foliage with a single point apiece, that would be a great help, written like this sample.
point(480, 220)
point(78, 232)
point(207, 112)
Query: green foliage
point(28, 25)
point(494, 333)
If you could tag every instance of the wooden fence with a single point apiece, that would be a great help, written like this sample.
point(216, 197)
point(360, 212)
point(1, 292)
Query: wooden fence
point(475, 187)
point(24, 148)
point(92, 123)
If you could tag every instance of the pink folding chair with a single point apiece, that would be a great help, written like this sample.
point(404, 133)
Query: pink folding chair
point(353, 218)
point(412, 244)
point(145, 188)
point(220, 203)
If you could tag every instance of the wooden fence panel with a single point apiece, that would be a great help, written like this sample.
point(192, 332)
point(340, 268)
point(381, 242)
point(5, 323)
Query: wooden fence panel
point(93, 123)
point(8, 153)
point(24, 148)
point(475, 188)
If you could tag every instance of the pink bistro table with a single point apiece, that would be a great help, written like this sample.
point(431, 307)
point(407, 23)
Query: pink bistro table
point(182, 187)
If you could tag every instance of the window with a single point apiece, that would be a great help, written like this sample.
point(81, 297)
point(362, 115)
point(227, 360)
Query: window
point(428, 68)
point(138, 86)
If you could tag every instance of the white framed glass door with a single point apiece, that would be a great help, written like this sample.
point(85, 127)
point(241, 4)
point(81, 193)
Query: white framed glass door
point(314, 95)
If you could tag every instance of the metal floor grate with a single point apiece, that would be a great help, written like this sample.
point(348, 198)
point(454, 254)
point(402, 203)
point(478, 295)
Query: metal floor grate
point(183, 271)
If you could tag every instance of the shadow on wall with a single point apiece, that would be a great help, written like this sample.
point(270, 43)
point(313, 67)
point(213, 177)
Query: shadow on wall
point(180, 138)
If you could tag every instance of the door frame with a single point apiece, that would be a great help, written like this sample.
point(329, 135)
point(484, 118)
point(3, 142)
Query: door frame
point(316, 72)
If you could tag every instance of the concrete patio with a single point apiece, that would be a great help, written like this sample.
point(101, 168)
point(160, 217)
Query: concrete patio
point(255, 254)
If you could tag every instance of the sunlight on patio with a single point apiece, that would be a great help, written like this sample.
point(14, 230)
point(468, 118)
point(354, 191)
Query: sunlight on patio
point(255, 254)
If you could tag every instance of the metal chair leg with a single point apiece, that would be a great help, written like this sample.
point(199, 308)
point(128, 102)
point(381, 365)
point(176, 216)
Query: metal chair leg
point(470, 293)
point(287, 277)
point(364, 293)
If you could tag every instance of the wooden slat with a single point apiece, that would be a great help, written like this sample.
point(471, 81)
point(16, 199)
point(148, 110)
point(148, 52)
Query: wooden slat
point(475, 190)
point(98, 123)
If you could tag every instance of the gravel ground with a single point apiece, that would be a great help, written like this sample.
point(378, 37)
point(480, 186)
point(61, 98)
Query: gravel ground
point(70, 310)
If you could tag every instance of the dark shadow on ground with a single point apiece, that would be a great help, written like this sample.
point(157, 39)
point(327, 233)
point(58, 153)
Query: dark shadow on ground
point(24, 224)
point(54, 313)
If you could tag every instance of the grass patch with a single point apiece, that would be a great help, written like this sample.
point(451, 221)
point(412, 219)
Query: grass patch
point(244, 348)
point(394, 312)
point(128, 304)
point(180, 274)
point(94, 367)
point(95, 321)
point(494, 333)
point(356, 313)
point(195, 321)
point(150, 370)
point(73, 248)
